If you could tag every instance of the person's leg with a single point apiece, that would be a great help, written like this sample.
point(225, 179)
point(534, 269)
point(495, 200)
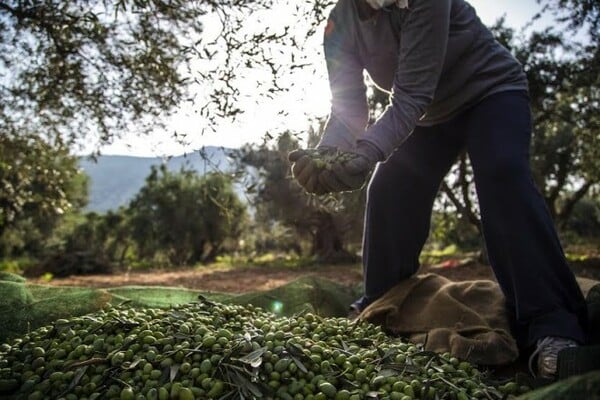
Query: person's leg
point(523, 247)
point(398, 210)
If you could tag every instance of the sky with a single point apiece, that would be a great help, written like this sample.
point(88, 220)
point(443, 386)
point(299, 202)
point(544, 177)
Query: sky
point(310, 98)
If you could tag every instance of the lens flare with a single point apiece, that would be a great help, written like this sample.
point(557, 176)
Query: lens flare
point(276, 307)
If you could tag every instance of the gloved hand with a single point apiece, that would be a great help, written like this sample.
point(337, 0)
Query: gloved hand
point(307, 165)
point(350, 170)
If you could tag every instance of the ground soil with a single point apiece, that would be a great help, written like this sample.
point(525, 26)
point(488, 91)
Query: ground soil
point(235, 279)
point(242, 279)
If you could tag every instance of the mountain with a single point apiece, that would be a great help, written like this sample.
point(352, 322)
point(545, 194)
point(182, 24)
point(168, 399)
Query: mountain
point(115, 180)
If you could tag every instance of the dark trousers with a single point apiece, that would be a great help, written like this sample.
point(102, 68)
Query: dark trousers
point(523, 247)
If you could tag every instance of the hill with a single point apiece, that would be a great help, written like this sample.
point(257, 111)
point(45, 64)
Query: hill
point(115, 180)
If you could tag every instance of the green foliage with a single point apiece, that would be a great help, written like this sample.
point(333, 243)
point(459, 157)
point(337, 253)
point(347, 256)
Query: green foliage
point(275, 260)
point(577, 14)
point(271, 238)
point(90, 243)
point(90, 69)
point(449, 229)
point(39, 182)
point(16, 265)
point(185, 218)
point(176, 219)
point(437, 254)
point(565, 96)
point(585, 219)
point(93, 65)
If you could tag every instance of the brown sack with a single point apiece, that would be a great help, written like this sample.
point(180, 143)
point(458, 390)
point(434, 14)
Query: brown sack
point(467, 319)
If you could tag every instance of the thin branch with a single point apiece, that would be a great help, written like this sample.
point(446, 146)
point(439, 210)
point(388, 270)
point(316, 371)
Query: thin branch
point(464, 183)
point(566, 210)
point(466, 213)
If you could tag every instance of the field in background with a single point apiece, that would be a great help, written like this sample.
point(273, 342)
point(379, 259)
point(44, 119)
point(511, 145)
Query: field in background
point(235, 277)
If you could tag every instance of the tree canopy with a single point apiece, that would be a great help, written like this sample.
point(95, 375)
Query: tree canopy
point(39, 182)
point(184, 217)
point(88, 71)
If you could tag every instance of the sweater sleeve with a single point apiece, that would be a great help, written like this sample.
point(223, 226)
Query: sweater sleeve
point(349, 111)
point(423, 41)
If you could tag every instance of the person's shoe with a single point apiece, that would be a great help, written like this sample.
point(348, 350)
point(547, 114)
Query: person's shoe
point(353, 313)
point(357, 307)
point(547, 350)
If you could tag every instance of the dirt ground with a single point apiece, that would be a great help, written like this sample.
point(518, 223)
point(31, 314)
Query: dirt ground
point(244, 279)
point(234, 279)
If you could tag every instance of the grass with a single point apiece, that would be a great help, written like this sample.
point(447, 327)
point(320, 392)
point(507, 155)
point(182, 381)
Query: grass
point(575, 251)
point(582, 251)
point(267, 260)
point(16, 265)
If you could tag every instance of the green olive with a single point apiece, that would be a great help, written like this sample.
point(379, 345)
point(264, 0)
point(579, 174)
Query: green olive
point(194, 350)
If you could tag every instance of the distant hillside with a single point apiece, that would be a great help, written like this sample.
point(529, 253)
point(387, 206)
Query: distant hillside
point(115, 180)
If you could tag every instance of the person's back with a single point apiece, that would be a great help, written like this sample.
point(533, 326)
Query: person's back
point(475, 64)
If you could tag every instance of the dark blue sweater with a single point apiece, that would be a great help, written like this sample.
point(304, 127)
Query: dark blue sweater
point(436, 57)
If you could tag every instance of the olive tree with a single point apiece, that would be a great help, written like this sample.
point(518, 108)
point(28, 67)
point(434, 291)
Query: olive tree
point(185, 218)
point(40, 181)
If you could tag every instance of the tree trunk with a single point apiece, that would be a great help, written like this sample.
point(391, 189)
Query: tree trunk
point(328, 244)
point(562, 216)
point(212, 254)
point(198, 250)
point(123, 255)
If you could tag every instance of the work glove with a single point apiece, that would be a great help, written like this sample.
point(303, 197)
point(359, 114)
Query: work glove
point(307, 165)
point(349, 170)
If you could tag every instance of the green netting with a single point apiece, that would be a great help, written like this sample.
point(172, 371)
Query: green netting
point(7, 276)
point(161, 297)
point(314, 294)
point(24, 306)
point(581, 387)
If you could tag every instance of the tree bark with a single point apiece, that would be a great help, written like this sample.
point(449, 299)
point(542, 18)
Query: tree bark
point(564, 213)
point(467, 213)
point(328, 244)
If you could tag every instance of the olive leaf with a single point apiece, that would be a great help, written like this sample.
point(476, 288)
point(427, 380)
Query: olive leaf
point(299, 364)
point(254, 359)
point(237, 377)
point(174, 370)
point(78, 375)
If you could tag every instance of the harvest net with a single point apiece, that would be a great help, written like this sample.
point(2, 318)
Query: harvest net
point(24, 306)
point(237, 351)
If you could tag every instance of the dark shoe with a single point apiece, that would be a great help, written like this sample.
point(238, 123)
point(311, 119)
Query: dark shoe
point(357, 307)
point(353, 313)
point(547, 350)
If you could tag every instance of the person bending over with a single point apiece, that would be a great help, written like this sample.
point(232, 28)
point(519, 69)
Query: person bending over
point(453, 88)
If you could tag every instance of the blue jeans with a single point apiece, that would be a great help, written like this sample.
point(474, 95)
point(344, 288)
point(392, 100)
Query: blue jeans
point(526, 256)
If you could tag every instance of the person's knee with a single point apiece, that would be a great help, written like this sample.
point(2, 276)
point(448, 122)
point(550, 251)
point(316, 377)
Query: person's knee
point(503, 171)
